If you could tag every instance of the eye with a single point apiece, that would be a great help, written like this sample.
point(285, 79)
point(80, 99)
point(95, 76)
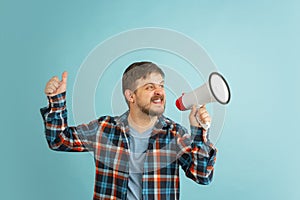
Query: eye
point(150, 87)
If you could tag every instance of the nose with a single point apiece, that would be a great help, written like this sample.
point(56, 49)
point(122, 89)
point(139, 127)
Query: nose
point(159, 90)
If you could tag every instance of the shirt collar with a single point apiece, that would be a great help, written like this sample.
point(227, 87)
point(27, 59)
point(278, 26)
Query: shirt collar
point(162, 121)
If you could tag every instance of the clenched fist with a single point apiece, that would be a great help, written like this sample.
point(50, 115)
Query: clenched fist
point(199, 116)
point(54, 86)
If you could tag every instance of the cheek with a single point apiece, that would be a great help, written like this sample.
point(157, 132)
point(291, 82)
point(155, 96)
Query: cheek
point(144, 97)
point(164, 94)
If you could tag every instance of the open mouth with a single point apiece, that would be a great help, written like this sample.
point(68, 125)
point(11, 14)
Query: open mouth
point(157, 100)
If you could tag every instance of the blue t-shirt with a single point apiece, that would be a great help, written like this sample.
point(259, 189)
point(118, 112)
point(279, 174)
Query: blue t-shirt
point(138, 147)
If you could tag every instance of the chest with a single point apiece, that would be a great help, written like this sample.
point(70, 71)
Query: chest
point(115, 149)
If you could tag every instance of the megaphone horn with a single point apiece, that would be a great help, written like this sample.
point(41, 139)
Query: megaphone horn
point(216, 89)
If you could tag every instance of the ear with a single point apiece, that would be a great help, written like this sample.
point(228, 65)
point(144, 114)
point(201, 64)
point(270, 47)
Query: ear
point(129, 95)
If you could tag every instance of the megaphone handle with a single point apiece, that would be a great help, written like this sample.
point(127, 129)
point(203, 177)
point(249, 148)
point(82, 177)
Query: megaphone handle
point(204, 125)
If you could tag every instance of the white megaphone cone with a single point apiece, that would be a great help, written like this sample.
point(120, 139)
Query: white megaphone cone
point(215, 90)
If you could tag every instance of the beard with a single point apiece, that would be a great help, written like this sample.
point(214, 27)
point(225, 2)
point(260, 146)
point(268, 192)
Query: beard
point(149, 110)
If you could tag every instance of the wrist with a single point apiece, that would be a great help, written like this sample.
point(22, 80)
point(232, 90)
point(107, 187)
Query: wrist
point(196, 130)
point(57, 101)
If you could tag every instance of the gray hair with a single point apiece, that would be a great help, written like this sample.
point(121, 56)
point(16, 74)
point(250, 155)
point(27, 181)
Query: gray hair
point(136, 71)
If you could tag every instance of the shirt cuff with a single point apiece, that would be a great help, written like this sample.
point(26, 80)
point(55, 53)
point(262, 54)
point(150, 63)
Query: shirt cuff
point(196, 131)
point(57, 101)
point(199, 134)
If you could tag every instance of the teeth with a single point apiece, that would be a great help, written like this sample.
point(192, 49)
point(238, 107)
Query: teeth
point(157, 101)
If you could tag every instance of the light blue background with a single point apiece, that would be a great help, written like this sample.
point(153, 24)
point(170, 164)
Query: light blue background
point(254, 44)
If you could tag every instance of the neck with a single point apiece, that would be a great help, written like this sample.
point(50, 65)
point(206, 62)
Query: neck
point(141, 122)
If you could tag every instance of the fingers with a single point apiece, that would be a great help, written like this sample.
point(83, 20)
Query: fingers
point(204, 115)
point(52, 85)
point(54, 78)
point(199, 116)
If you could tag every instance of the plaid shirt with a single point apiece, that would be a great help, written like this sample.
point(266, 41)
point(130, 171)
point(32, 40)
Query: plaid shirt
point(170, 146)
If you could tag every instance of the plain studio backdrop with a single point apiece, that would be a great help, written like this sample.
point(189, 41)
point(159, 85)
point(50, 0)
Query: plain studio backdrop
point(255, 45)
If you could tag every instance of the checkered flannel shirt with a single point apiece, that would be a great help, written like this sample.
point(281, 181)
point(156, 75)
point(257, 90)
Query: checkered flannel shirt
point(170, 146)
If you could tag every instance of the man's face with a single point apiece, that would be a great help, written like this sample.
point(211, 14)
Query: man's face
point(150, 95)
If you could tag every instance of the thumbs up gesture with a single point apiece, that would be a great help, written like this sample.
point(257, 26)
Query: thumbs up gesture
point(54, 86)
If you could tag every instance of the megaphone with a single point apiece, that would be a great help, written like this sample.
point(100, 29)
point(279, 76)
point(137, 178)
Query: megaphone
point(216, 89)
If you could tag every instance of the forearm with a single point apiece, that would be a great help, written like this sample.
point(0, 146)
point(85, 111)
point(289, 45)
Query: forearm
point(59, 135)
point(199, 156)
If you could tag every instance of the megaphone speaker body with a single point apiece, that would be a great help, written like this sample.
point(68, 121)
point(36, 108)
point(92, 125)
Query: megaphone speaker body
point(215, 90)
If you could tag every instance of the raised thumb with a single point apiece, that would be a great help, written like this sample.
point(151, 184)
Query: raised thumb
point(64, 77)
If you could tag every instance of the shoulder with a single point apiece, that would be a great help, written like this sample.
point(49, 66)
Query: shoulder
point(174, 126)
point(114, 120)
point(107, 120)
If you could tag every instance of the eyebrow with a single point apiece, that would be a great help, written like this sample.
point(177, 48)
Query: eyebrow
point(162, 82)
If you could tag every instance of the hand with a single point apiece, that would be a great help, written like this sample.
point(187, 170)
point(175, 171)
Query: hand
point(202, 115)
point(54, 86)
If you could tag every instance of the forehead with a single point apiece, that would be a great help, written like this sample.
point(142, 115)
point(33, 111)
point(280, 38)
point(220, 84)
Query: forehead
point(151, 78)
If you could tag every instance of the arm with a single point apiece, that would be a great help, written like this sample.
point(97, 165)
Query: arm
point(59, 135)
point(197, 155)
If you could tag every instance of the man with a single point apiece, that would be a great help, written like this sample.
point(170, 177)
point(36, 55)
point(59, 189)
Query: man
point(137, 154)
